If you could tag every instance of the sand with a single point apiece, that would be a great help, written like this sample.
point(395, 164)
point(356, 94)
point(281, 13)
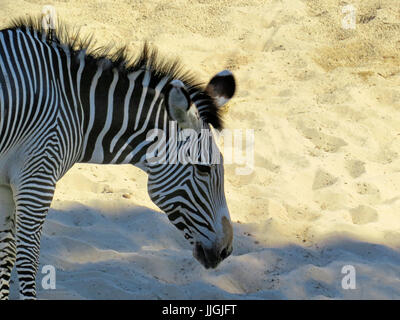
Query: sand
point(324, 104)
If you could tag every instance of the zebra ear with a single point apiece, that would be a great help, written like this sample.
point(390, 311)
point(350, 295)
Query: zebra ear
point(180, 107)
point(222, 87)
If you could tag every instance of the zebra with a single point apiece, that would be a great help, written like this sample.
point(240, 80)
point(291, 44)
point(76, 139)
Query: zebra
point(63, 102)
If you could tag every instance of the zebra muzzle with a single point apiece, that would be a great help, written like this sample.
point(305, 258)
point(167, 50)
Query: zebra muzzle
point(210, 258)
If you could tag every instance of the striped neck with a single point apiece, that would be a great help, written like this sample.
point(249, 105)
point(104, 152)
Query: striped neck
point(119, 109)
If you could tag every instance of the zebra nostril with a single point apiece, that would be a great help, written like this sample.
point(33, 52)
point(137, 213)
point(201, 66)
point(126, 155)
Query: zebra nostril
point(225, 253)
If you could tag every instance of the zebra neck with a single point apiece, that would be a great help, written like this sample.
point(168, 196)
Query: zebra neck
point(119, 110)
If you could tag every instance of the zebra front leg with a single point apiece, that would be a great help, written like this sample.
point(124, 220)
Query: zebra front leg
point(7, 239)
point(33, 201)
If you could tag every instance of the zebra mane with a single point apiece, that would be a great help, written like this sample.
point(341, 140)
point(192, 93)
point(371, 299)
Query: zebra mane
point(119, 59)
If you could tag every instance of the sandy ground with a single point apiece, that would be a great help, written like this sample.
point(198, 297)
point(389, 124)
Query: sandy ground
point(324, 103)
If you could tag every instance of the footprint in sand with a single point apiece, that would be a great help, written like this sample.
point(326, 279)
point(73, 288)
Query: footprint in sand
point(369, 192)
point(301, 213)
point(323, 179)
point(325, 197)
point(355, 168)
point(236, 60)
point(367, 189)
point(321, 140)
point(363, 214)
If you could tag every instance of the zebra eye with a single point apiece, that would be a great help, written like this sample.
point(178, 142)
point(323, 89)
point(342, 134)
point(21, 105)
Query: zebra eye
point(203, 168)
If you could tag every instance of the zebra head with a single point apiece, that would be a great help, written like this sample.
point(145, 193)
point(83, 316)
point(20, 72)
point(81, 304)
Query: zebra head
point(191, 192)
